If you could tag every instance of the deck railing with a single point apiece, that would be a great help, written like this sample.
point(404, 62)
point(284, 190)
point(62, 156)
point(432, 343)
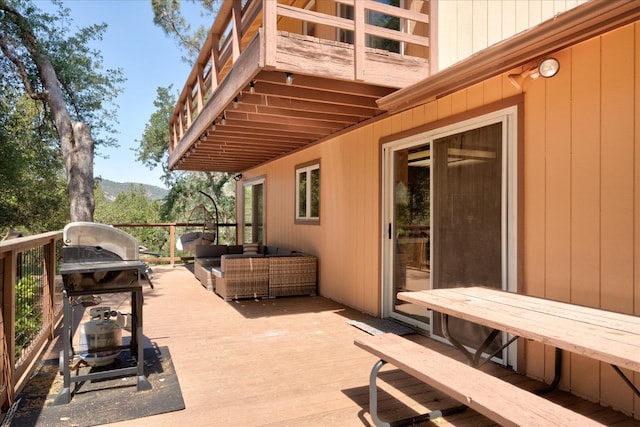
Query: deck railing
point(236, 25)
point(162, 243)
point(31, 305)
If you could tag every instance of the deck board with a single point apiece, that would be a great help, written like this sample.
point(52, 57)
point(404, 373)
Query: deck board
point(287, 362)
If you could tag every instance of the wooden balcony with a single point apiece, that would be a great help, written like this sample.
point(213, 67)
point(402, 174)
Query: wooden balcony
point(273, 77)
point(287, 362)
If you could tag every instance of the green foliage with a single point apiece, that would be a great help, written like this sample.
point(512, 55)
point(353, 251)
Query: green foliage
point(129, 207)
point(153, 150)
point(89, 90)
point(167, 14)
point(184, 186)
point(28, 312)
point(185, 195)
point(33, 194)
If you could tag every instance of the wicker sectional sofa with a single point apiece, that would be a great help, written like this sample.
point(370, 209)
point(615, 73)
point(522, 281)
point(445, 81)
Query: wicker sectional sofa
point(255, 271)
point(209, 256)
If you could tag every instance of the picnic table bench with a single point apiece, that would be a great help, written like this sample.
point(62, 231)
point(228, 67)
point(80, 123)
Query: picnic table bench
point(609, 337)
point(498, 400)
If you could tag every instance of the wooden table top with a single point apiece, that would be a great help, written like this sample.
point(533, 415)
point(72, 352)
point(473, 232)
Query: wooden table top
point(599, 334)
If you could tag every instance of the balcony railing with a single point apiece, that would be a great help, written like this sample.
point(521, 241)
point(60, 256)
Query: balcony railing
point(236, 26)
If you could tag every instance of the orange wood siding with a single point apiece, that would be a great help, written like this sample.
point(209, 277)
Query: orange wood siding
point(581, 198)
point(617, 183)
point(580, 183)
point(347, 239)
point(585, 198)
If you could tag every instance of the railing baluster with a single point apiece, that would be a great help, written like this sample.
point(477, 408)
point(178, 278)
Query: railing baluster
point(236, 30)
point(269, 26)
point(200, 86)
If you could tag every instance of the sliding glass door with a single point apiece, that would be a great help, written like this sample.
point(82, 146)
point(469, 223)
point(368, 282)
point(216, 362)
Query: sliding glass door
point(468, 210)
point(410, 230)
point(449, 214)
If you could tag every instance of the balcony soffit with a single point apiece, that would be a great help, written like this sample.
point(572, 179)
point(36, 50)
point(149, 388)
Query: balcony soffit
point(236, 128)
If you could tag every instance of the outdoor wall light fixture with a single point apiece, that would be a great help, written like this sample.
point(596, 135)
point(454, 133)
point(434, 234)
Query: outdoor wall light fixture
point(289, 79)
point(547, 68)
point(252, 87)
point(238, 177)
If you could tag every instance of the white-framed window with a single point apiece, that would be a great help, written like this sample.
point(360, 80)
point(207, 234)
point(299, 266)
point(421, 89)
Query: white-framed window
point(308, 192)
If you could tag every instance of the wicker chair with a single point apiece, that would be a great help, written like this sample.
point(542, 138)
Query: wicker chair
point(292, 275)
point(242, 276)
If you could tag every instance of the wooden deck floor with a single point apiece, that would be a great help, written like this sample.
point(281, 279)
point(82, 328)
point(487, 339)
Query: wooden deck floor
point(287, 362)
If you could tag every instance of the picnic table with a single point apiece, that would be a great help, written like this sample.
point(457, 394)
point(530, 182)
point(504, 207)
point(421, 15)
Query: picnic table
point(603, 335)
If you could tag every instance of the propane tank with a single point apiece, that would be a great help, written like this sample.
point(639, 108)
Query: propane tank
point(99, 332)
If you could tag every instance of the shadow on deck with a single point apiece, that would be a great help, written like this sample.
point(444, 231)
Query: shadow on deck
point(287, 362)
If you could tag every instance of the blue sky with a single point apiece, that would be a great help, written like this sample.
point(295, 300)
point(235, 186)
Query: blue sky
point(148, 58)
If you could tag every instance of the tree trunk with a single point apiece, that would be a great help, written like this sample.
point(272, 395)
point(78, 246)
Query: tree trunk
point(80, 174)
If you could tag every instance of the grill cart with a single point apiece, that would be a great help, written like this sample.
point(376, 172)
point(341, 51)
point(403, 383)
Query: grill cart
point(100, 259)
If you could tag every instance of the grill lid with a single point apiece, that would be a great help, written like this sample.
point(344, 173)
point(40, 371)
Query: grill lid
point(101, 237)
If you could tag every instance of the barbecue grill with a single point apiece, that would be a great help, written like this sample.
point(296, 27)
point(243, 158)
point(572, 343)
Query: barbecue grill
point(100, 259)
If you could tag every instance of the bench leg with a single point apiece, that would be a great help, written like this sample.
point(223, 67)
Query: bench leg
point(373, 404)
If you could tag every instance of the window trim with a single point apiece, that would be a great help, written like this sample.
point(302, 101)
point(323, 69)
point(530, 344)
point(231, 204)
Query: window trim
point(306, 168)
point(251, 183)
point(511, 112)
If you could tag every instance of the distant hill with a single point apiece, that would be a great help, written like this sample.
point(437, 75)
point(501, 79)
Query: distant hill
point(112, 189)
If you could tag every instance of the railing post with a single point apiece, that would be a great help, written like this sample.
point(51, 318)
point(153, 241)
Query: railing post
point(50, 284)
point(172, 244)
point(269, 17)
point(9, 321)
point(359, 40)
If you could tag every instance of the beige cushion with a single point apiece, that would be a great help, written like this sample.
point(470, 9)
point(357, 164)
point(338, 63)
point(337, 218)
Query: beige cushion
point(250, 248)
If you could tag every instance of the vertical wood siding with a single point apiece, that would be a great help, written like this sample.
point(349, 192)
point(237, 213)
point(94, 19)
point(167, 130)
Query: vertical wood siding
point(580, 195)
point(581, 198)
point(468, 26)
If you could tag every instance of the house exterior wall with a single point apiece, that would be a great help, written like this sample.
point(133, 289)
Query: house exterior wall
point(581, 198)
point(581, 195)
point(468, 26)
